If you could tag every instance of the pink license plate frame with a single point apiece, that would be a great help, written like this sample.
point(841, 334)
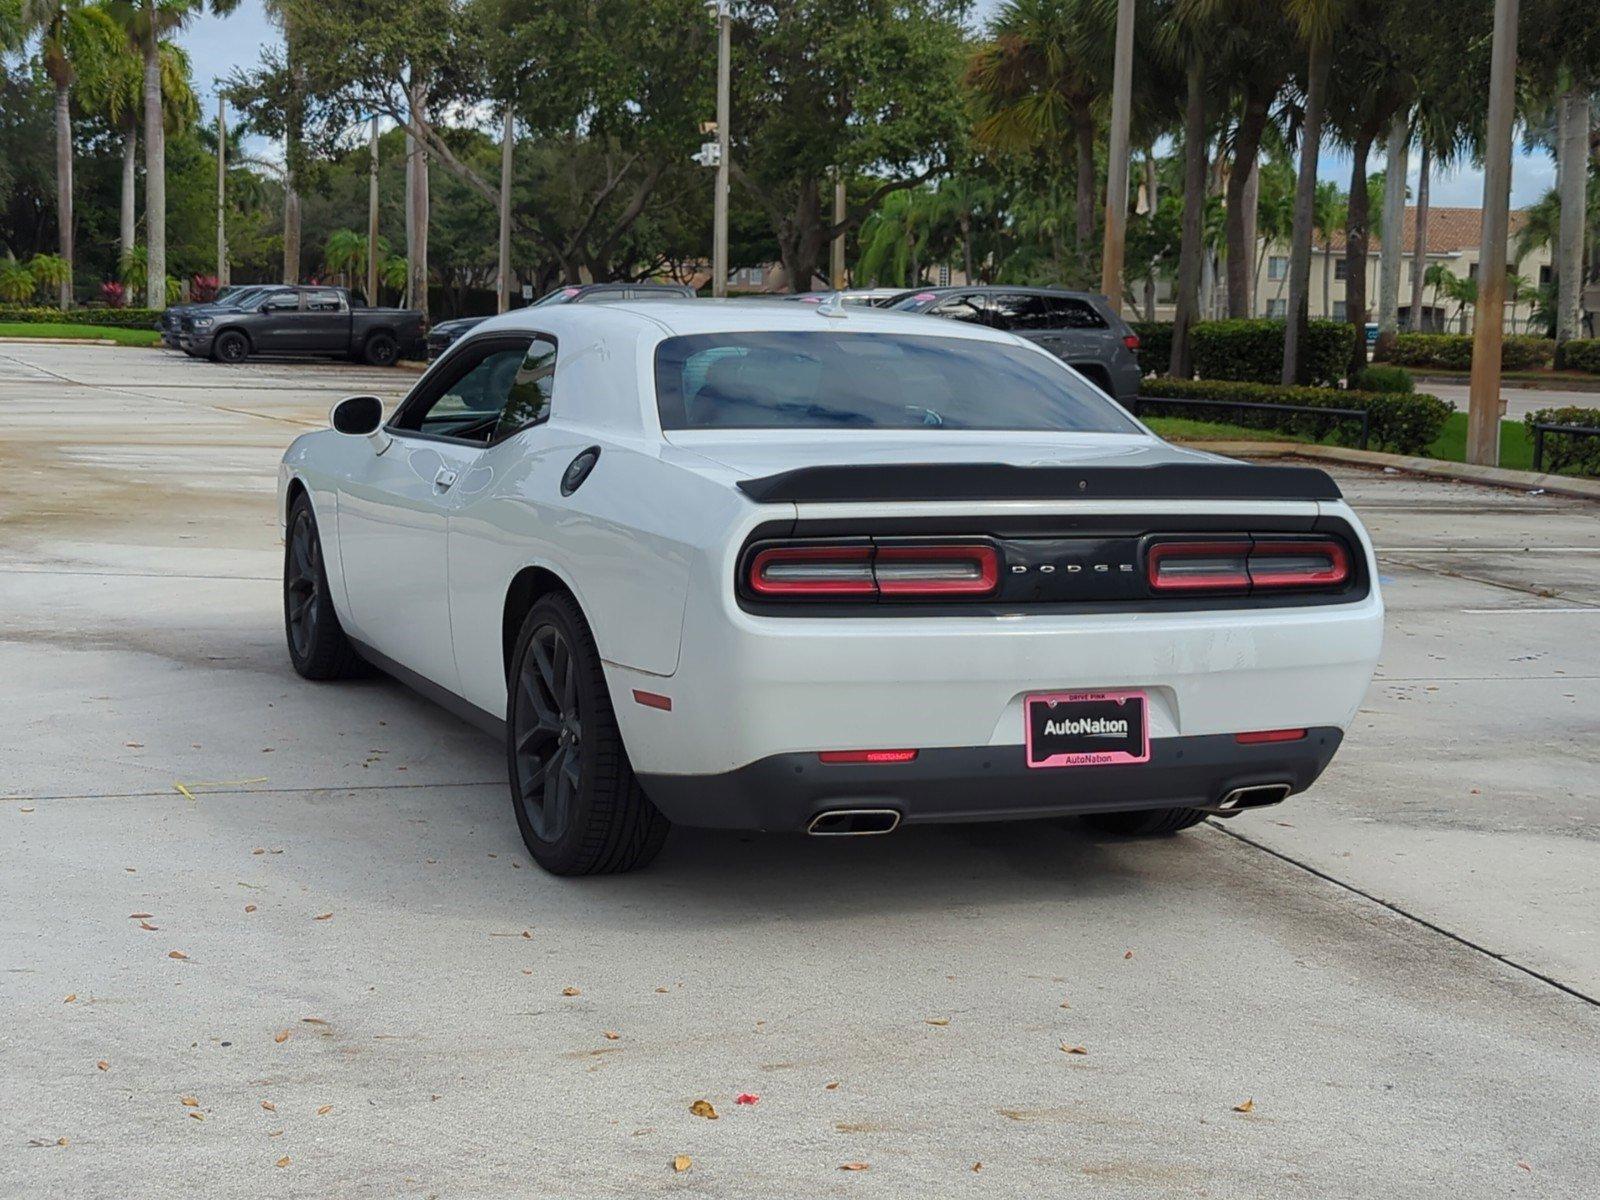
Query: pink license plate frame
point(1087, 758)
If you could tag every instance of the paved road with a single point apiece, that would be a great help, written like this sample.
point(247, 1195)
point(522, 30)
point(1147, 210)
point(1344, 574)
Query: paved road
point(1520, 401)
point(1400, 969)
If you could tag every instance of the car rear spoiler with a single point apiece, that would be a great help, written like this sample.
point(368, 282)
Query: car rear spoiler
point(1003, 481)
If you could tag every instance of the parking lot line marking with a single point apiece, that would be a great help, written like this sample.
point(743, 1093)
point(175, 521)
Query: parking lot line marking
point(1410, 916)
point(1592, 610)
point(277, 791)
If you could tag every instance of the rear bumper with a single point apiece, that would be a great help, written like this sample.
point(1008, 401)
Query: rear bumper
point(985, 783)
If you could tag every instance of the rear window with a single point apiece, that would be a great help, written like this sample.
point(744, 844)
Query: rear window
point(838, 380)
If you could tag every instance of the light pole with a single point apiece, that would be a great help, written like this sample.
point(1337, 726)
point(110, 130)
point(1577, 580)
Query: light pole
point(507, 145)
point(222, 193)
point(372, 214)
point(1483, 405)
point(723, 11)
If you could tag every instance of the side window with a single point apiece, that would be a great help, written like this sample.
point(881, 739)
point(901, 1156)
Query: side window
point(1064, 313)
point(532, 390)
point(970, 309)
point(283, 302)
point(323, 300)
point(1021, 312)
point(469, 404)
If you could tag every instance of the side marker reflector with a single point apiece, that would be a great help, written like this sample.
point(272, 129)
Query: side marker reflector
point(653, 700)
point(1269, 735)
point(867, 756)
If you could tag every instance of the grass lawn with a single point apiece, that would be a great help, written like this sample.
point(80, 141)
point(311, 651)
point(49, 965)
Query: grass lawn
point(123, 337)
point(1516, 448)
point(1184, 429)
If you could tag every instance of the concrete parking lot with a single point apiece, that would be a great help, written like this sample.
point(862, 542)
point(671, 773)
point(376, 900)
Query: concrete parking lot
point(268, 938)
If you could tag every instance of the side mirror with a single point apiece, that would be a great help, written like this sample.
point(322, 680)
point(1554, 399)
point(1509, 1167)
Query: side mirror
point(266, 307)
point(360, 416)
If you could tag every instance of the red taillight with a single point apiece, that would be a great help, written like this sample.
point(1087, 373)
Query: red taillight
point(1131, 341)
point(1198, 566)
point(1260, 736)
point(1321, 563)
point(813, 571)
point(867, 756)
point(854, 570)
point(936, 570)
point(1247, 565)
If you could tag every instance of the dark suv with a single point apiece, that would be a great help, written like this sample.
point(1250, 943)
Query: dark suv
point(1077, 327)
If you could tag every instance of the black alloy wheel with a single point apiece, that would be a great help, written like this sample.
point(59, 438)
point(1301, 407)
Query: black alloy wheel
point(547, 734)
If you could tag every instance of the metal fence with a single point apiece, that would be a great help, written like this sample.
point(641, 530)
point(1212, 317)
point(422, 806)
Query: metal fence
point(1540, 428)
point(1313, 410)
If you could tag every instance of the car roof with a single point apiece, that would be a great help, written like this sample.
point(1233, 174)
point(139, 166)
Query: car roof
point(995, 289)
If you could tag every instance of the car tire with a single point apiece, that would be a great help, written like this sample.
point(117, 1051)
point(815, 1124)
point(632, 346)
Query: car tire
point(318, 647)
point(381, 350)
point(1146, 822)
point(231, 346)
point(576, 799)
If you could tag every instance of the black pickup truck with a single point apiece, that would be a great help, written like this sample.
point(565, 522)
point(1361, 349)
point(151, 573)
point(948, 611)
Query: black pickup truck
point(302, 321)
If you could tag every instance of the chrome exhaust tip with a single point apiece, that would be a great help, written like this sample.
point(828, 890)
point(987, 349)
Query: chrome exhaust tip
point(1256, 796)
point(854, 822)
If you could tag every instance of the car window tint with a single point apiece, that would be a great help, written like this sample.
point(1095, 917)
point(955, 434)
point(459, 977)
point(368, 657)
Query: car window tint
point(827, 380)
point(283, 302)
point(323, 300)
point(532, 390)
point(1020, 312)
point(470, 406)
point(971, 309)
point(1063, 312)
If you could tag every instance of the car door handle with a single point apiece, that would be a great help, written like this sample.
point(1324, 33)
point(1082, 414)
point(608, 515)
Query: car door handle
point(444, 479)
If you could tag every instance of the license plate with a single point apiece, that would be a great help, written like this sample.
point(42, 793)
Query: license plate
point(1087, 729)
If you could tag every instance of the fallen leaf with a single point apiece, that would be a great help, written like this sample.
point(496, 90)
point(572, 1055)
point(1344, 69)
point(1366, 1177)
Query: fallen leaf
point(140, 916)
point(527, 970)
point(747, 1098)
point(830, 1087)
point(612, 1035)
point(853, 1167)
point(259, 850)
point(661, 991)
point(61, 1141)
point(145, 925)
point(269, 1106)
point(27, 810)
point(103, 1065)
point(976, 1167)
point(1064, 1004)
point(702, 1108)
point(682, 1163)
point(178, 954)
point(312, 1021)
point(70, 998)
point(323, 917)
point(198, 1116)
point(281, 1036)
point(134, 745)
point(324, 1110)
point(188, 1101)
point(1074, 1049)
point(936, 1020)
point(1248, 1106)
point(527, 933)
point(570, 991)
point(1524, 1165)
point(1129, 954)
point(274, 1133)
point(249, 908)
point(284, 1161)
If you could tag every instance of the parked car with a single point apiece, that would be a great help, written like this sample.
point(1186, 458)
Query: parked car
point(578, 293)
point(444, 333)
point(761, 566)
point(871, 297)
point(1077, 327)
point(303, 320)
point(168, 323)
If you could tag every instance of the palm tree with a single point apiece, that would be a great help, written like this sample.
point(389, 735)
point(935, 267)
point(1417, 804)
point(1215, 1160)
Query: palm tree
point(17, 284)
point(114, 89)
point(1461, 289)
point(282, 14)
point(66, 39)
point(148, 24)
point(1038, 83)
point(346, 255)
point(1316, 21)
point(1329, 210)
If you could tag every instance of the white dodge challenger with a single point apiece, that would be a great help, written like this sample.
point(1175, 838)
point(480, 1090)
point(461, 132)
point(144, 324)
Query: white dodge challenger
point(830, 569)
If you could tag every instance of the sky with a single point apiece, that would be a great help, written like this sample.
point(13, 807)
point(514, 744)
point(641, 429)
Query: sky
point(217, 45)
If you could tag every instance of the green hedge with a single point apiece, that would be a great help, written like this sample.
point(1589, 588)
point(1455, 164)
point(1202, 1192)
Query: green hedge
point(1380, 377)
point(1401, 423)
point(1155, 345)
point(1581, 354)
point(1252, 351)
point(116, 318)
point(1453, 351)
point(1564, 451)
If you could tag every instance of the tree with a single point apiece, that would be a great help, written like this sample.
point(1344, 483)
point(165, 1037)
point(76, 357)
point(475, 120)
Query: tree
point(149, 23)
point(867, 87)
point(1316, 21)
point(67, 37)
